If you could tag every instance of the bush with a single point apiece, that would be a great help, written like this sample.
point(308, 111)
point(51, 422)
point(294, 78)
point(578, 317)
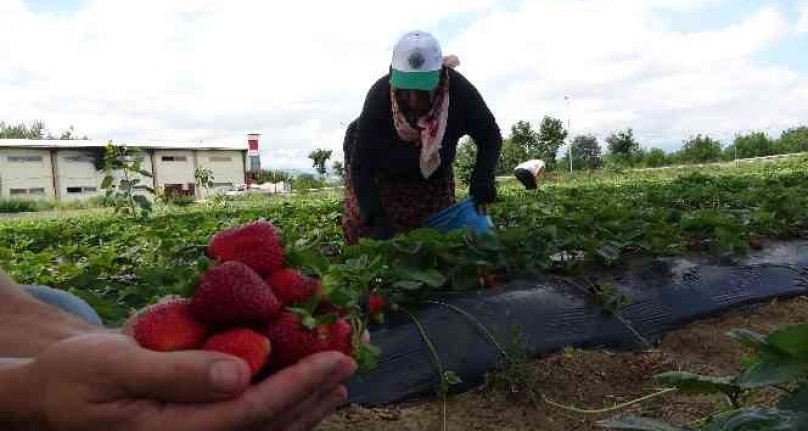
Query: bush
point(19, 205)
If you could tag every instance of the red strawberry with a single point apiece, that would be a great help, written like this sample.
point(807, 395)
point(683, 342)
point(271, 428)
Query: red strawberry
point(376, 303)
point(242, 342)
point(292, 341)
point(340, 337)
point(254, 244)
point(169, 326)
point(291, 286)
point(232, 293)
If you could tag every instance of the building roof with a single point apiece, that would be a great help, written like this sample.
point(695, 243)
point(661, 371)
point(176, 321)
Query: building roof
point(145, 144)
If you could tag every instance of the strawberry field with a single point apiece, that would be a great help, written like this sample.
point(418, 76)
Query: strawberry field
point(118, 263)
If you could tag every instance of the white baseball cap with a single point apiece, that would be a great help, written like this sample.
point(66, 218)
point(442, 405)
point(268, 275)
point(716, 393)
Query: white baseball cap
point(417, 62)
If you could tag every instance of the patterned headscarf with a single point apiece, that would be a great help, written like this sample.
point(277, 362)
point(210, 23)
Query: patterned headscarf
point(429, 129)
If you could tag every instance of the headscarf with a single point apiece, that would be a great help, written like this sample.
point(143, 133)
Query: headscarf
point(428, 131)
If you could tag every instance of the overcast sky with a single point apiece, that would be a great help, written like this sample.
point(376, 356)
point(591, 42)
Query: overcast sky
point(298, 71)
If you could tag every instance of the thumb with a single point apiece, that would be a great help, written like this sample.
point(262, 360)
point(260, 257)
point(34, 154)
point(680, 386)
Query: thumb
point(183, 377)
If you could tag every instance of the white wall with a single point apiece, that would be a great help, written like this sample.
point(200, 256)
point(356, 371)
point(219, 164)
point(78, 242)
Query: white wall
point(227, 168)
point(173, 167)
point(77, 176)
point(33, 176)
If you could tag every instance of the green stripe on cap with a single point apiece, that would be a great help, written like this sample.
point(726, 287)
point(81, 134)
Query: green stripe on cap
point(415, 80)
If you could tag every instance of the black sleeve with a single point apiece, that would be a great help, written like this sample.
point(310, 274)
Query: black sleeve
point(370, 140)
point(349, 142)
point(483, 129)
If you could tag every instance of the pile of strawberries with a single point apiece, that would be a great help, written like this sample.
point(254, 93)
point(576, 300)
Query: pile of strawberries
point(241, 306)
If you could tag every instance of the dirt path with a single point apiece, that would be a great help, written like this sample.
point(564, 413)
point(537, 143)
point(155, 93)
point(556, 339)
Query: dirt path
point(588, 379)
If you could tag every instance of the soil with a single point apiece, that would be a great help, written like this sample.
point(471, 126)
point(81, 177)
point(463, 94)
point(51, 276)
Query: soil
point(588, 380)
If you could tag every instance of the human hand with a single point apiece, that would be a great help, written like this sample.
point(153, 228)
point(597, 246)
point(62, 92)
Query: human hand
point(483, 208)
point(106, 381)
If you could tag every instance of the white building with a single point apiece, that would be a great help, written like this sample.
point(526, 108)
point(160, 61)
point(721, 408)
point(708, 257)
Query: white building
point(63, 170)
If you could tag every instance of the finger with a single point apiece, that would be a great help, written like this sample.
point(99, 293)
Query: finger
point(314, 403)
point(182, 377)
point(320, 411)
point(279, 393)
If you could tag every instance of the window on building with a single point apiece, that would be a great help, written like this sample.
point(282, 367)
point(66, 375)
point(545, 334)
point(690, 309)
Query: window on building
point(225, 159)
point(24, 159)
point(222, 185)
point(34, 191)
point(76, 159)
point(174, 158)
point(81, 190)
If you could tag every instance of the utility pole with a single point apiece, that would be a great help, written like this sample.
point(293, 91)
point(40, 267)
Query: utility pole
point(569, 129)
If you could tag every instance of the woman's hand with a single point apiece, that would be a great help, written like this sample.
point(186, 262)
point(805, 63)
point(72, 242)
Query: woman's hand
point(105, 381)
point(483, 208)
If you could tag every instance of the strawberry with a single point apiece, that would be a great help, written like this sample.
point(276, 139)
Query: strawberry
point(376, 304)
point(256, 245)
point(169, 326)
point(292, 341)
point(232, 293)
point(291, 286)
point(340, 337)
point(242, 342)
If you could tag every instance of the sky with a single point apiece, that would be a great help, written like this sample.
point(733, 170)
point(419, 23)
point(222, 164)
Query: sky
point(298, 72)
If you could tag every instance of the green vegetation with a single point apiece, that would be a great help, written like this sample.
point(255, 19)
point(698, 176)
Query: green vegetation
point(119, 263)
point(779, 363)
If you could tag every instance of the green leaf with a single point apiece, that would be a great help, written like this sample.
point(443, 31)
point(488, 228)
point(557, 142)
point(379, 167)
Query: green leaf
point(757, 419)
point(792, 339)
point(430, 277)
point(309, 322)
point(639, 424)
point(750, 339)
point(451, 378)
point(773, 371)
point(107, 182)
point(367, 357)
point(796, 401)
point(407, 285)
point(694, 384)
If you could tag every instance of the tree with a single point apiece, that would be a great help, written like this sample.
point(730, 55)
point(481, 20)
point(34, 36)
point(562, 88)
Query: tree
point(34, 130)
point(204, 178)
point(655, 157)
point(523, 136)
point(623, 147)
point(793, 141)
point(586, 152)
point(319, 158)
point(465, 159)
point(701, 149)
point(551, 137)
point(756, 144)
point(272, 176)
point(338, 168)
point(510, 156)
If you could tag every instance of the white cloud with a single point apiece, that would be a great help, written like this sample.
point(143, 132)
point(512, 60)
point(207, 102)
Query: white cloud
point(297, 73)
point(802, 22)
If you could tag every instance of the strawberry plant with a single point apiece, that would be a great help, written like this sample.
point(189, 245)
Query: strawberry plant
point(779, 362)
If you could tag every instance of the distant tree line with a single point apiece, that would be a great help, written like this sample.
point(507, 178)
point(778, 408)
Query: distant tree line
point(621, 149)
point(34, 130)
